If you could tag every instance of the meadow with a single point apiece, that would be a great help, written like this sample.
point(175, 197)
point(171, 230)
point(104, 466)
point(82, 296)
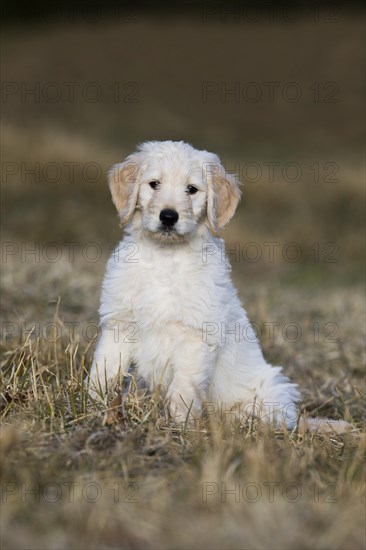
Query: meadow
point(76, 474)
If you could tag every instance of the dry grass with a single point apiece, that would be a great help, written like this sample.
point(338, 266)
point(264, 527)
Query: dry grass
point(159, 486)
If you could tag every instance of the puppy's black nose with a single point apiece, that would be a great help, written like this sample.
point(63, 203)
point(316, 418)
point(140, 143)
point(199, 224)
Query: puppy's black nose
point(168, 217)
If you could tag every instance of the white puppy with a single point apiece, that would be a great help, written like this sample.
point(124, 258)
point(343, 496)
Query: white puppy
point(168, 305)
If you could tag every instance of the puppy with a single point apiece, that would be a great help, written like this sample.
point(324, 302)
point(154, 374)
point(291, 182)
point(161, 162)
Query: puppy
point(168, 305)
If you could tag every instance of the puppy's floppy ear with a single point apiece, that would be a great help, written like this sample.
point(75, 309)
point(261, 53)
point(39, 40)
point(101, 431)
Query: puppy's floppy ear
point(124, 182)
point(223, 195)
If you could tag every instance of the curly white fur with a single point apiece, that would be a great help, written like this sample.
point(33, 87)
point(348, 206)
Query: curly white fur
point(168, 304)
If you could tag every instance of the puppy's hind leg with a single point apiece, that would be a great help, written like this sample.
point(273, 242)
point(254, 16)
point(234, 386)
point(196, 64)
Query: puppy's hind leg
point(325, 426)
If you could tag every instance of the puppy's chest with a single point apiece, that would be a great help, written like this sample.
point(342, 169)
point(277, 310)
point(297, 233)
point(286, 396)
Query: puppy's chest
point(176, 288)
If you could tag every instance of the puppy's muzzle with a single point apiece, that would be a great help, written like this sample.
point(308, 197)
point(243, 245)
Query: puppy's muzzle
point(168, 217)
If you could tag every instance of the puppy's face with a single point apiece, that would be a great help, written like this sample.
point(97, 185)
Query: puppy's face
point(172, 196)
point(168, 190)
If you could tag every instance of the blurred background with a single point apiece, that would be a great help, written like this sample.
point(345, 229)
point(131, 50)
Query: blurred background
point(277, 93)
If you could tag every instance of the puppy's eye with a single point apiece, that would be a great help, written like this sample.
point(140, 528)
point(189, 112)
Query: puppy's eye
point(191, 189)
point(153, 184)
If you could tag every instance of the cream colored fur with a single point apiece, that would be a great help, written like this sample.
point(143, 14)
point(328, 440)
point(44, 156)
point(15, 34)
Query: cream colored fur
point(168, 305)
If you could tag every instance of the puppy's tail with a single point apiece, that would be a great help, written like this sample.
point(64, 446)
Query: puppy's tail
point(325, 426)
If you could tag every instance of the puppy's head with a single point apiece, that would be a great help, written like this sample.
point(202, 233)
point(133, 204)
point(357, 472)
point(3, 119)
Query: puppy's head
point(168, 190)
